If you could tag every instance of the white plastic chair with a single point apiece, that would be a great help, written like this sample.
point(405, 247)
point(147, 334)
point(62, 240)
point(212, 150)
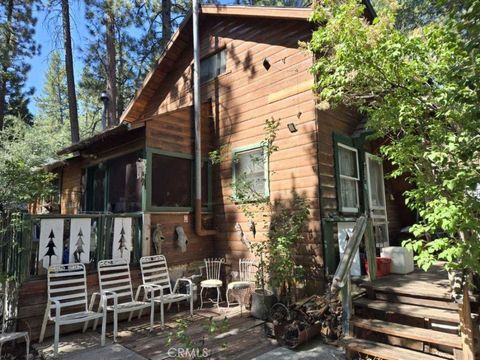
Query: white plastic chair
point(67, 291)
point(116, 284)
point(213, 269)
point(155, 274)
point(246, 280)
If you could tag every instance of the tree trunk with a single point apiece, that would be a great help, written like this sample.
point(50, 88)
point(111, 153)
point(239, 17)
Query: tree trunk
point(166, 21)
point(72, 96)
point(111, 66)
point(5, 65)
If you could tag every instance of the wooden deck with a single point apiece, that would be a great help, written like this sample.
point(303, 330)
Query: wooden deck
point(240, 337)
point(433, 284)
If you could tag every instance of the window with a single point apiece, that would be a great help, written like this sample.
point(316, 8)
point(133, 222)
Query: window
point(115, 185)
point(124, 184)
point(171, 181)
point(250, 173)
point(212, 66)
point(348, 174)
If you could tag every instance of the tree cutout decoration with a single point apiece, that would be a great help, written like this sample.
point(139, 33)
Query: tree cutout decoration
point(79, 250)
point(50, 246)
point(122, 241)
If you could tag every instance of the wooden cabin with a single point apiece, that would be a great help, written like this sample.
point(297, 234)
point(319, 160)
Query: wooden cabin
point(252, 69)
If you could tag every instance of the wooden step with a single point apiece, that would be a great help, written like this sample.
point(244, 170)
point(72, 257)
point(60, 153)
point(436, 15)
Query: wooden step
point(409, 332)
point(392, 297)
point(414, 290)
point(384, 351)
point(410, 310)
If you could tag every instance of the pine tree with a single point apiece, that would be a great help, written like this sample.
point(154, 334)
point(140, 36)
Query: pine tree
point(50, 246)
point(122, 242)
point(17, 45)
point(125, 40)
point(72, 96)
point(79, 244)
point(53, 103)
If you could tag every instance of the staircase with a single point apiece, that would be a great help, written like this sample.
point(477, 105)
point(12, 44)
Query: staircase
point(406, 321)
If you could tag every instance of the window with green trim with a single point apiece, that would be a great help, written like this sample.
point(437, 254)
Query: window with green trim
point(348, 178)
point(115, 185)
point(171, 181)
point(250, 173)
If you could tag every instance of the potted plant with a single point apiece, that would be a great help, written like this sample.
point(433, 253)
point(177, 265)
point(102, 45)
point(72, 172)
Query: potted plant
point(262, 298)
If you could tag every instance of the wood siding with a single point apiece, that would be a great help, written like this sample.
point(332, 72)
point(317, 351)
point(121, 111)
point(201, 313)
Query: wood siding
point(241, 100)
point(71, 191)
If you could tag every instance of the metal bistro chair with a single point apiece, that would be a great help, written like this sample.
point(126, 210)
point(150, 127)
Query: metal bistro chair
point(67, 293)
point(213, 269)
point(246, 280)
point(116, 284)
point(155, 274)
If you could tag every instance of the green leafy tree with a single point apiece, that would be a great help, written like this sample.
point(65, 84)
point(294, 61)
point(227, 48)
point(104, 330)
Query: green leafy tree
point(17, 46)
point(420, 90)
point(24, 150)
point(53, 102)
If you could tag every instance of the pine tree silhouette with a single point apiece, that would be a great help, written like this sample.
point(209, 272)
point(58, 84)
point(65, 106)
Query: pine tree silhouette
point(122, 242)
point(51, 245)
point(79, 250)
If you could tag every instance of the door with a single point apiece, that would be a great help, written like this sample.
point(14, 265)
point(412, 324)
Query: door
point(376, 199)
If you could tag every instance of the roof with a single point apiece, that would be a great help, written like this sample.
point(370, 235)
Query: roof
point(182, 38)
point(100, 137)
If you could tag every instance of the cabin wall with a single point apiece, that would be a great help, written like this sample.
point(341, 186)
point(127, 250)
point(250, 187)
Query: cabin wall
point(71, 188)
point(175, 132)
point(241, 100)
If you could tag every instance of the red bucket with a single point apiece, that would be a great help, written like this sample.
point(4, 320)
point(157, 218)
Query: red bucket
point(383, 266)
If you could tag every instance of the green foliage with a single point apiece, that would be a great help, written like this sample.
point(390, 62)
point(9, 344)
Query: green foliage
point(421, 92)
point(53, 103)
point(287, 230)
point(217, 156)
point(181, 340)
point(17, 46)
point(24, 150)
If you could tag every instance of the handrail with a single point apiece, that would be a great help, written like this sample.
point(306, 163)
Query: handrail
point(343, 269)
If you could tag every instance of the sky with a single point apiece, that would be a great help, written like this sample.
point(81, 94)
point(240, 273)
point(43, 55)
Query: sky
point(49, 35)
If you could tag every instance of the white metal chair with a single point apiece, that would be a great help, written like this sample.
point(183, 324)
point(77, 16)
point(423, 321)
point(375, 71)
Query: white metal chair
point(116, 284)
point(67, 292)
point(155, 274)
point(213, 268)
point(11, 336)
point(246, 280)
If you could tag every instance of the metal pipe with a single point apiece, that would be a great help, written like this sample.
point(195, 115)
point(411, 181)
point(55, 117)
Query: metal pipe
point(198, 122)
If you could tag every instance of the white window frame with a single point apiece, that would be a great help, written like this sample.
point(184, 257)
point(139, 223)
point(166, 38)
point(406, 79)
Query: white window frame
point(244, 149)
point(356, 179)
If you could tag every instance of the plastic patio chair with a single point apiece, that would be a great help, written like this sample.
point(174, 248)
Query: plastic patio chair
point(155, 274)
point(67, 292)
point(116, 284)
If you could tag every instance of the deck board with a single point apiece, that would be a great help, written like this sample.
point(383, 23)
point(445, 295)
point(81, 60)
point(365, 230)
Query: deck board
point(433, 284)
point(244, 338)
point(410, 310)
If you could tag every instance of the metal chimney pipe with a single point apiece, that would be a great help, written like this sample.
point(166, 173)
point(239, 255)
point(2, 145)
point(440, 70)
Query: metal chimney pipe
point(198, 123)
point(104, 98)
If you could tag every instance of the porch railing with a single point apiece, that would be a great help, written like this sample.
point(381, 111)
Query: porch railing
point(102, 227)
